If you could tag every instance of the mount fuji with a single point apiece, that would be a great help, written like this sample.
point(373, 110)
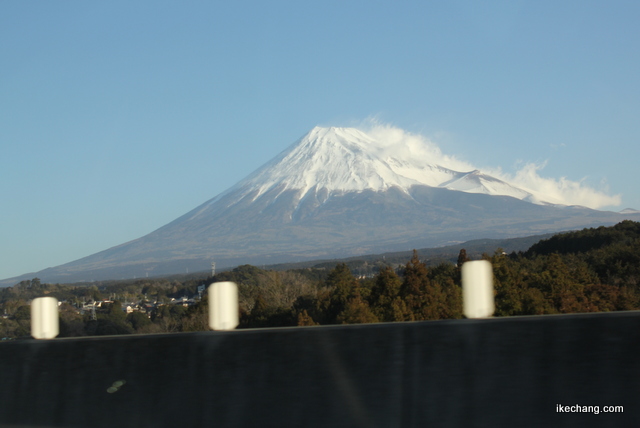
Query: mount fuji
point(336, 192)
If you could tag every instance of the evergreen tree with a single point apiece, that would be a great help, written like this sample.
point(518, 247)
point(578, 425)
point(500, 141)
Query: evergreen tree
point(462, 257)
point(343, 287)
point(384, 292)
point(424, 299)
point(356, 311)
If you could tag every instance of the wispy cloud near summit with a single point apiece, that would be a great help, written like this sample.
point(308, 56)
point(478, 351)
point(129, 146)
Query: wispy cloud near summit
point(555, 190)
point(562, 189)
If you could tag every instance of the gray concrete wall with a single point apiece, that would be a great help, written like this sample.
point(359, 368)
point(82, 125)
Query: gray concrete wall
point(503, 372)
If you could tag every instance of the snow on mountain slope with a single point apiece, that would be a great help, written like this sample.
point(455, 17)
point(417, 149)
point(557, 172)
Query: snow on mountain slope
point(477, 182)
point(350, 160)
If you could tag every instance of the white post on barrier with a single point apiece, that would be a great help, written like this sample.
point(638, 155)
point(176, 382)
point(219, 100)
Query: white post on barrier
point(45, 323)
point(477, 289)
point(223, 306)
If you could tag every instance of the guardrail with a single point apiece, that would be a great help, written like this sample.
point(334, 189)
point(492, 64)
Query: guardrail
point(488, 372)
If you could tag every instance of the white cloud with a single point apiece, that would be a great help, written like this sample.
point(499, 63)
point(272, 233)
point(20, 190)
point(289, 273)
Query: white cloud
point(561, 190)
point(553, 190)
point(418, 146)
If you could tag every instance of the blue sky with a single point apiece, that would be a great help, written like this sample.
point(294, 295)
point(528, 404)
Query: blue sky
point(117, 117)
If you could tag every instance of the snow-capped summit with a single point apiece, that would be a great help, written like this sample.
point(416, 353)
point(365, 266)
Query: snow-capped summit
point(330, 160)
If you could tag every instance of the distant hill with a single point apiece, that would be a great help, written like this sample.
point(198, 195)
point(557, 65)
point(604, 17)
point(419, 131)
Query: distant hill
point(431, 256)
point(586, 240)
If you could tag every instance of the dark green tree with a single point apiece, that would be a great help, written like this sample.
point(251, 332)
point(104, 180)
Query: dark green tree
point(356, 311)
point(343, 287)
point(138, 320)
point(424, 298)
point(462, 257)
point(383, 293)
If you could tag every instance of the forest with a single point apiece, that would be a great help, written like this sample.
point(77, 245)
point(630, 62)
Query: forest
point(592, 270)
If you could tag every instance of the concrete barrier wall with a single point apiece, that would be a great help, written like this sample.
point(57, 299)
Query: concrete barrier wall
point(502, 372)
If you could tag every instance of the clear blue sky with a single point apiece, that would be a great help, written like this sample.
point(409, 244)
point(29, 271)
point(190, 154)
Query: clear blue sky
point(117, 117)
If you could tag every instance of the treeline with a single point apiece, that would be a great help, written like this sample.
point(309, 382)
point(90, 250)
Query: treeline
point(592, 270)
point(416, 293)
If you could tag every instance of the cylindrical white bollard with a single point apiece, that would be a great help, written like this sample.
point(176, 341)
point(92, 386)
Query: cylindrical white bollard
point(45, 323)
point(477, 289)
point(223, 306)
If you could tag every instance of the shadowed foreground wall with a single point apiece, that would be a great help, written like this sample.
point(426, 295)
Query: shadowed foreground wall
point(502, 372)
